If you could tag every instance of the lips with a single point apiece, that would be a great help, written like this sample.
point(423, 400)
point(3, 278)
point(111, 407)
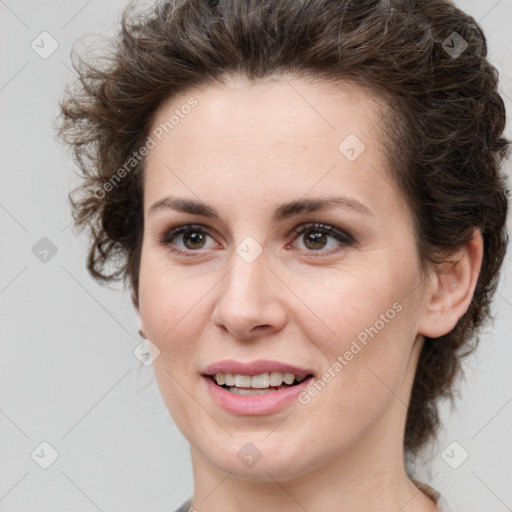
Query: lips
point(242, 400)
point(254, 368)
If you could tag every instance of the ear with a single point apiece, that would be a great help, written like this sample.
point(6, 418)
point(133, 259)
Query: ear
point(450, 287)
point(135, 301)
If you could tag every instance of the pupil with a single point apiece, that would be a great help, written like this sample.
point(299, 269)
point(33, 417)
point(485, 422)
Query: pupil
point(315, 241)
point(196, 239)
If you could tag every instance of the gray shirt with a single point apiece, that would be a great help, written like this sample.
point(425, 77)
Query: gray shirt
point(186, 507)
point(441, 502)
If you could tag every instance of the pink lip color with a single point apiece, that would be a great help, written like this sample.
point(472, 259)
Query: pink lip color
point(253, 368)
point(257, 404)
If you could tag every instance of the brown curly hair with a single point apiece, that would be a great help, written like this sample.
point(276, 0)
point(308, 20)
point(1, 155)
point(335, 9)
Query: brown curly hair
point(425, 59)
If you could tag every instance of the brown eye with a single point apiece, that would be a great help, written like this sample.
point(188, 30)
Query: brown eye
point(187, 238)
point(314, 240)
point(321, 238)
point(193, 240)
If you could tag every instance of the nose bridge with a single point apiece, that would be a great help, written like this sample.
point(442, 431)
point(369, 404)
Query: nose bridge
point(247, 299)
point(246, 283)
point(248, 266)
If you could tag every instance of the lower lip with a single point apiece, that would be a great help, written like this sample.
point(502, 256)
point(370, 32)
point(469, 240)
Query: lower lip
point(257, 404)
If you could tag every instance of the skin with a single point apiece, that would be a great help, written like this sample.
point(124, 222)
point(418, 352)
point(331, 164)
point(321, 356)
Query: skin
point(244, 150)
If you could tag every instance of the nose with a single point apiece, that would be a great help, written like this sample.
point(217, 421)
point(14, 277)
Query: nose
point(250, 302)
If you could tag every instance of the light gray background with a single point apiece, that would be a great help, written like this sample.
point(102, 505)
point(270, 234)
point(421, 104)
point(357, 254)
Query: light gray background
point(68, 374)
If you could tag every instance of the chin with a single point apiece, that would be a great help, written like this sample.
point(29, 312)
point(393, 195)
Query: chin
point(264, 471)
point(266, 463)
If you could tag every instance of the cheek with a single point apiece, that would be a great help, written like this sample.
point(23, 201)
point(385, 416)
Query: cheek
point(366, 319)
point(367, 357)
point(343, 304)
point(171, 310)
point(169, 300)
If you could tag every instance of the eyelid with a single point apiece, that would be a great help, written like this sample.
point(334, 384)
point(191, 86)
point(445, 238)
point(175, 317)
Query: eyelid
point(326, 228)
point(342, 236)
point(170, 232)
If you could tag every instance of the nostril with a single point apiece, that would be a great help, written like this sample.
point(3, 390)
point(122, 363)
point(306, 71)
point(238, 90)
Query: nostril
point(260, 327)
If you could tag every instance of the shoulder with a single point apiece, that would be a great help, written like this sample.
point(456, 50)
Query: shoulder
point(186, 507)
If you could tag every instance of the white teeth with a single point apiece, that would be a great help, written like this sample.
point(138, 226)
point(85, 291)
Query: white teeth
point(251, 392)
point(276, 378)
point(288, 378)
point(261, 381)
point(243, 381)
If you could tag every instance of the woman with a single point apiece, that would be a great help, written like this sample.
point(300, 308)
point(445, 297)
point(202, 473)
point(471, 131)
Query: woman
point(306, 199)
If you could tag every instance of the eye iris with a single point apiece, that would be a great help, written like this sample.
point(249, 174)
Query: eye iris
point(195, 238)
point(315, 240)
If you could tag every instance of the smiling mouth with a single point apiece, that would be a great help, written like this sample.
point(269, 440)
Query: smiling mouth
point(261, 384)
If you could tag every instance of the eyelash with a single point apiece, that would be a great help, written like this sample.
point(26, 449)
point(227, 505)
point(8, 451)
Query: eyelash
point(344, 238)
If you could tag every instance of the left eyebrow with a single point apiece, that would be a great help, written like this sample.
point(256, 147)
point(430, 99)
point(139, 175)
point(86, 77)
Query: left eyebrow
point(283, 211)
point(312, 205)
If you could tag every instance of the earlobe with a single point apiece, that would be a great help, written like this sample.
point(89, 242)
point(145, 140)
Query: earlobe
point(451, 287)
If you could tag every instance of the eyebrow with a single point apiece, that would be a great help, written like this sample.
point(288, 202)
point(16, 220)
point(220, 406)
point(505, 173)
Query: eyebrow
point(283, 211)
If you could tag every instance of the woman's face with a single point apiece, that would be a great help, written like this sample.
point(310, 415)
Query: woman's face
point(295, 249)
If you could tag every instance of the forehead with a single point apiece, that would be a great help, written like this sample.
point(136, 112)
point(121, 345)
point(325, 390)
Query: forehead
point(283, 112)
point(283, 132)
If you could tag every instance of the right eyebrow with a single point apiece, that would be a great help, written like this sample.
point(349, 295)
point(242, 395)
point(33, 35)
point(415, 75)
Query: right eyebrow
point(185, 206)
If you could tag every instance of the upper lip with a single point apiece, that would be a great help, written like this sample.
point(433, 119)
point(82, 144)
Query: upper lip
point(254, 368)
